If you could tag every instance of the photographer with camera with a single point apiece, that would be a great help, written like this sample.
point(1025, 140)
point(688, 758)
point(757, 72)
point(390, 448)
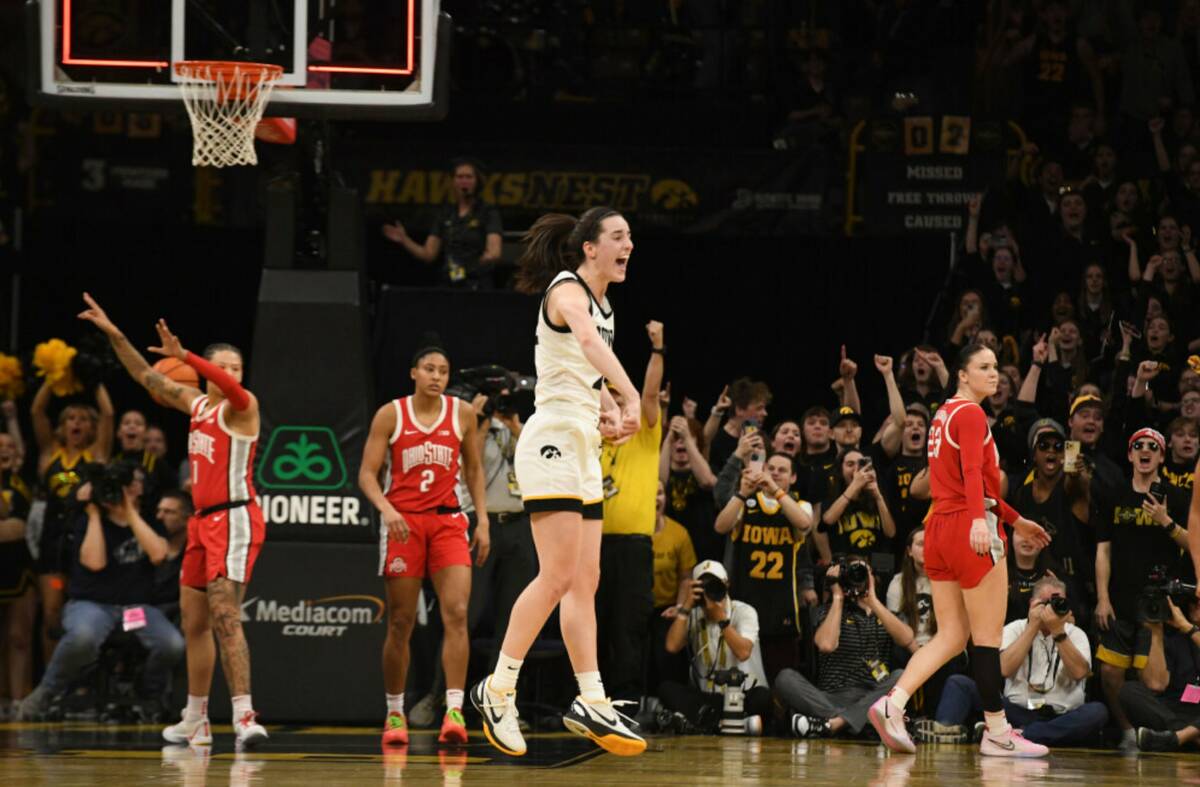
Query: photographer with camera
point(768, 525)
point(855, 520)
point(855, 637)
point(1046, 661)
point(1141, 525)
point(1163, 703)
point(728, 687)
point(111, 584)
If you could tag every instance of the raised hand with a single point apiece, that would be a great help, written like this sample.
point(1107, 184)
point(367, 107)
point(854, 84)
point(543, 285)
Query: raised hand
point(1157, 125)
point(1041, 350)
point(1033, 531)
point(1148, 370)
point(394, 232)
point(689, 405)
point(96, 316)
point(654, 329)
point(847, 369)
point(169, 346)
point(884, 364)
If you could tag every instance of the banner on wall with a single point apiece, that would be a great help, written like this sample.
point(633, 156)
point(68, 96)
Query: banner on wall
point(760, 192)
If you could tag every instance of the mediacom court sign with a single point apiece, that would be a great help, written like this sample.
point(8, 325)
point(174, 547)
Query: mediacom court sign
point(302, 480)
point(327, 617)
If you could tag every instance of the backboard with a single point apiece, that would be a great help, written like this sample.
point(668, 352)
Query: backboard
point(341, 58)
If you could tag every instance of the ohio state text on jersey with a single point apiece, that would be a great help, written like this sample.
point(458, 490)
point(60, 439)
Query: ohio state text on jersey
point(423, 461)
point(220, 461)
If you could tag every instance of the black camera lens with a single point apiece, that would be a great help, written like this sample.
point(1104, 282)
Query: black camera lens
point(1060, 605)
point(714, 588)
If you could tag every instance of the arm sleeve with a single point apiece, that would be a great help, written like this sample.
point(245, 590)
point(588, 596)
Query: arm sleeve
point(970, 432)
point(1005, 512)
point(239, 397)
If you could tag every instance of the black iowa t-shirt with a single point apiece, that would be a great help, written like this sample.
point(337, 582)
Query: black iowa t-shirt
point(127, 576)
point(907, 511)
point(859, 530)
point(1138, 545)
point(1180, 475)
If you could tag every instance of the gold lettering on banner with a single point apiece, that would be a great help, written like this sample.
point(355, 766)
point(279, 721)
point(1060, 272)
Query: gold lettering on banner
point(532, 190)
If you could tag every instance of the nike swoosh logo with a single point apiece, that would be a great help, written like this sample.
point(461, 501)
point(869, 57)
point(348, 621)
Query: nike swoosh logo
point(1010, 746)
point(494, 718)
point(600, 716)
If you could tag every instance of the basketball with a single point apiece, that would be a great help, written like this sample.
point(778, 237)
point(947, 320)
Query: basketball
point(177, 370)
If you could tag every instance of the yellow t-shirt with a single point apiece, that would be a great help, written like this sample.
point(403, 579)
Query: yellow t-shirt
point(631, 482)
point(674, 558)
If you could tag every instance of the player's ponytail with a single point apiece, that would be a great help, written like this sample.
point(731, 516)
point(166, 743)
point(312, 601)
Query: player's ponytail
point(555, 244)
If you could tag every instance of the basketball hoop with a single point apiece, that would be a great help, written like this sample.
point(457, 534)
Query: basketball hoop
point(225, 102)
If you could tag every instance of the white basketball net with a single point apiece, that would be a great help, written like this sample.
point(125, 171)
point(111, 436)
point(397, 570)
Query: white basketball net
point(225, 104)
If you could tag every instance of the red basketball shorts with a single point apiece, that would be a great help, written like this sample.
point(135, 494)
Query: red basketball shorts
point(435, 541)
point(948, 553)
point(223, 544)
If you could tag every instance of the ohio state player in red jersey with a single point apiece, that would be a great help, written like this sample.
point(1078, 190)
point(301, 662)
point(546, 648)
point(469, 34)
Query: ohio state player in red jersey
point(226, 532)
point(964, 558)
point(420, 439)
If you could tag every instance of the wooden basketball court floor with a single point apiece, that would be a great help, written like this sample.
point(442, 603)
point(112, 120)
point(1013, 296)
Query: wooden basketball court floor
point(98, 755)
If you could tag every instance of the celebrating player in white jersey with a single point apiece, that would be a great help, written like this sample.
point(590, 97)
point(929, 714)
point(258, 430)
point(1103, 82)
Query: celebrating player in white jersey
point(558, 467)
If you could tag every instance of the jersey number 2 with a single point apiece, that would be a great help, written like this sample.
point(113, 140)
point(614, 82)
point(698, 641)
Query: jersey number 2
point(761, 559)
point(426, 480)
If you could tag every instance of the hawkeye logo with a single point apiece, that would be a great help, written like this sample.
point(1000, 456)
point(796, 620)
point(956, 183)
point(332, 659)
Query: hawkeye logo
point(323, 617)
point(673, 195)
point(306, 459)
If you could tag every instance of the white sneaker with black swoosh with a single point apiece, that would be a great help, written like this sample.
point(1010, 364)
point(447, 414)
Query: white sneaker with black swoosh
point(605, 725)
point(499, 712)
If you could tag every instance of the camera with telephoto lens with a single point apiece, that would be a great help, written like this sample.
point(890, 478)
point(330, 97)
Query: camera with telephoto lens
point(108, 481)
point(734, 720)
point(854, 576)
point(1152, 603)
point(492, 381)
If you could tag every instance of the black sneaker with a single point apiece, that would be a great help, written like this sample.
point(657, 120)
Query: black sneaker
point(1157, 740)
point(810, 726)
point(605, 725)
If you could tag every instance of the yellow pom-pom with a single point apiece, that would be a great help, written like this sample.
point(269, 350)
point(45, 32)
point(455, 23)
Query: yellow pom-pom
point(1194, 362)
point(12, 377)
point(52, 360)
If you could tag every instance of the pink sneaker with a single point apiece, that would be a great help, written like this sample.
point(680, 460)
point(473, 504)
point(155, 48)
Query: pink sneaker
point(889, 723)
point(1011, 744)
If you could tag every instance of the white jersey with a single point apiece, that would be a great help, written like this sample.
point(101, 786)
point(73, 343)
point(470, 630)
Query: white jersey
point(564, 374)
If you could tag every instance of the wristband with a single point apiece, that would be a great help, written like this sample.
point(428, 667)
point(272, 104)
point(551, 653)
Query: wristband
point(780, 494)
point(1038, 364)
point(1059, 637)
point(1194, 631)
point(659, 350)
point(723, 624)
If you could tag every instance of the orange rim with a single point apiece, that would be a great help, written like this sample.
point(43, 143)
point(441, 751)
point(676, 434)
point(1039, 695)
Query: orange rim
point(233, 79)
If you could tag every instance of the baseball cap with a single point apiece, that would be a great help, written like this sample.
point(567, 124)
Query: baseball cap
point(1087, 400)
point(710, 567)
point(1045, 425)
point(847, 413)
point(1153, 434)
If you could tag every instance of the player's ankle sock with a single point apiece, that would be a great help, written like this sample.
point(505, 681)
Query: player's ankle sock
point(1129, 736)
point(506, 674)
point(197, 707)
point(242, 706)
point(395, 702)
point(454, 699)
point(997, 723)
point(590, 686)
point(898, 697)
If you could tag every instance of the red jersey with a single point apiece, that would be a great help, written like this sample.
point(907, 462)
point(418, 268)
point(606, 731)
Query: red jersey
point(423, 464)
point(964, 463)
point(221, 462)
